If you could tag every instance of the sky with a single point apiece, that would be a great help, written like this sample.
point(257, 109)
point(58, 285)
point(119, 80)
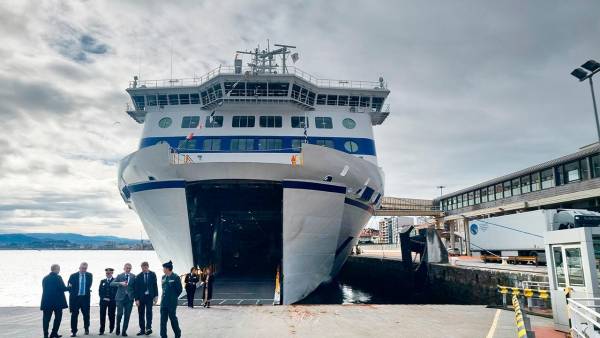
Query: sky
point(478, 88)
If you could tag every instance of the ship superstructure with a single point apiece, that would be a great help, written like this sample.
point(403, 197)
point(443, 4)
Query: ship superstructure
point(256, 169)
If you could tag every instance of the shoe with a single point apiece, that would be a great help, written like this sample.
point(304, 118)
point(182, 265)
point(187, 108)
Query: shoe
point(118, 332)
point(101, 334)
point(87, 332)
point(111, 330)
point(73, 334)
point(148, 332)
point(124, 334)
point(141, 333)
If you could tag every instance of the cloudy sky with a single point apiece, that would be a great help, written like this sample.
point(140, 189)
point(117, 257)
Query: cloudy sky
point(479, 89)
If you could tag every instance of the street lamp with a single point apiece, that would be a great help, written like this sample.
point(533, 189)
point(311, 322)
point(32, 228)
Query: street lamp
point(582, 74)
point(441, 187)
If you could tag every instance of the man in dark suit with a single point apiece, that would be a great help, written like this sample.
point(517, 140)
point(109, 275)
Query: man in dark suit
point(53, 300)
point(107, 301)
point(80, 284)
point(146, 295)
point(125, 284)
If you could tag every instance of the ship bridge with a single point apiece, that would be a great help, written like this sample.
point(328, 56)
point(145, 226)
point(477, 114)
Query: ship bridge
point(260, 82)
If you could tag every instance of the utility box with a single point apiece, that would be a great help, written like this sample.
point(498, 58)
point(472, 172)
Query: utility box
point(573, 257)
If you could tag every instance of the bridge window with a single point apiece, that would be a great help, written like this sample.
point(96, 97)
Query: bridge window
point(547, 178)
point(311, 98)
point(377, 103)
point(242, 122)
point(162, 100)
point(303, 94)
point(354, 100)
point(321, 99)
point(535, 181)
point(211, 144)
point(331, 100)
point(187, 144)
point(296, 91)
point(190, 121)
point(349, 123)
point(595, 160)
point(351, 146)
point(270, 144)
point(242, 144)
point(151, 99)
point(278, 88)
point(342, 100)
point(516, 187)
point(218, 91)
point(364, 101)
point(270, 121)
point(325, 143)
point(323, 122)
point(256, 89)
point(173, 99)
point(484, 195)
point(572, 172)
point(211, 94)
point(139, 102)
point(525, 184)
point(235, 88)
point(194, 98)
point(214, 122)
point(184, 98)
point(299, 122)
point(205, 98)
point(165, 122)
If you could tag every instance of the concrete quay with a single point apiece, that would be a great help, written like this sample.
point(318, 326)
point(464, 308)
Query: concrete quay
point(453, 321)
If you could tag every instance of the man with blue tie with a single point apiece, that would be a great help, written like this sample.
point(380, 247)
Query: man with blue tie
point(146, 295)
point(79, 285)
point(125, 284)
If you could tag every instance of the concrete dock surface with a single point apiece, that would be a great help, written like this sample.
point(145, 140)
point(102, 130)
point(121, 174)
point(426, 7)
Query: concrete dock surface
point(421, 321)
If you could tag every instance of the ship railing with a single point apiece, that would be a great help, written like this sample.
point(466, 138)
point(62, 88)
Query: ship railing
point(584, 316)
point(248, 72)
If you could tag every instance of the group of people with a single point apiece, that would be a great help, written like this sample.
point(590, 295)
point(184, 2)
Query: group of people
point(116, 293)
point(198, 277)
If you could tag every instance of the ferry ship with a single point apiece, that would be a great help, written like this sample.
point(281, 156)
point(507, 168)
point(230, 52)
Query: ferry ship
point(256, 169)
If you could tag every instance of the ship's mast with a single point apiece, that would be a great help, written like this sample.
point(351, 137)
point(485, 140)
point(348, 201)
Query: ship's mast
point(263, 60)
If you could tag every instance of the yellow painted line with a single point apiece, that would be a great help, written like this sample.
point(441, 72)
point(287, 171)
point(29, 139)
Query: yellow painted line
point(494, 324)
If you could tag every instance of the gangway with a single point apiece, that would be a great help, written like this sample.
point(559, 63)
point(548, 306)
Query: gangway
point(395, 206)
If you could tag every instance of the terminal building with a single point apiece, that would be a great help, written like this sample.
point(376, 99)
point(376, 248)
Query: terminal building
point(571, 181)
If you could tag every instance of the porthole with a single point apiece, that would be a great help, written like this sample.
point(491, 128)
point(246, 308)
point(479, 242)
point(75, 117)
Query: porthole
point(165, 122)
point(349, 123)
point(351, 146)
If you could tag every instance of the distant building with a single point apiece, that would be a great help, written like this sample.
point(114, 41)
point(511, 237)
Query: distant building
point(389, 228)
point(368, 235)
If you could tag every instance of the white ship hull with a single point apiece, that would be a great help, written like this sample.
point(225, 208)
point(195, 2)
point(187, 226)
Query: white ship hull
point(319, 219)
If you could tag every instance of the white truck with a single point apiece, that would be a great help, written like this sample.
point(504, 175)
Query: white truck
point(522, 234)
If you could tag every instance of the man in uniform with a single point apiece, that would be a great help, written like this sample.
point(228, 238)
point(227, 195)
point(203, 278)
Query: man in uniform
point(146, 295)
point(171, 289)
point(125, 284)
point(80, 284)
point(107, 301)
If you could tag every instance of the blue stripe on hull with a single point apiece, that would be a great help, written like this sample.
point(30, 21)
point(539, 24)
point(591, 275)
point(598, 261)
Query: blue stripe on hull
point(152, 185)
point(365, 146)
point(314, 186)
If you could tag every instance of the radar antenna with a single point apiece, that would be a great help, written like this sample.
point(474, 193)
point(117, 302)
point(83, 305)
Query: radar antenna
point(263, 61)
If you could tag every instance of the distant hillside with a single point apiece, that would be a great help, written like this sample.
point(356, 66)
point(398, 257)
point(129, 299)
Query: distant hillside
point(64, 241)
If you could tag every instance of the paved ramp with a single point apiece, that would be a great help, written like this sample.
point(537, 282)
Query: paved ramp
point(239, 291)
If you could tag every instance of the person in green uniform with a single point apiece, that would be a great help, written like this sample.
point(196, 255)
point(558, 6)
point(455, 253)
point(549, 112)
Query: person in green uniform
point(171, 289)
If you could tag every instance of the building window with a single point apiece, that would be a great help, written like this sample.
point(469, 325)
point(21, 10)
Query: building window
point(299, 122)
point(270, 121)
point(173, 99)
point(498, 190)
point(547, 178)
point(460, 201)
point(349, 123)
point(516, 187)
point(165, 122)
point(484, 195)
point(525, 184)
point(585, 169)
point(506, 189)
point(595, 166)
point(572, 172)
point(187, 144)
point(241, 144)
point(477, 196)
point(211, 144)
point(270, 144)
point(214, 122)
point(325, 143)
point(351, 146)
point(471, 198)
point(242, 122)
point(535, 181)
point(465, 198)
point(323, 122)
point(190, 121)
point(491, 193)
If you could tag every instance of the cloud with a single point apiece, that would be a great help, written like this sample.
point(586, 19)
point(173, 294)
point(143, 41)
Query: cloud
point(76, 45)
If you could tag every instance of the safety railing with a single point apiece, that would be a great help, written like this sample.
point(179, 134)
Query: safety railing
point(584, 317)
point(230, 70)
point(535, 294)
